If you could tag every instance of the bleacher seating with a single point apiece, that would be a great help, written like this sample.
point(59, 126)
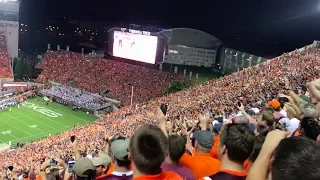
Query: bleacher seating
point(5, 67)
point(96, 74)
point(220, 96)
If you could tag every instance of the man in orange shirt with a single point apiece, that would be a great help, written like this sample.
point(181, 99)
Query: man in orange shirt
point(201, 163)
point(147, 150)
point(235, 147)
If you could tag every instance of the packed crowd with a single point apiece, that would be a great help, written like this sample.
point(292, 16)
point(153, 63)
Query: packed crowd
point(97, 74)
point(231, 122)
point(6, 91)
point(5, 68)
point(76, 97)
point(5, 103)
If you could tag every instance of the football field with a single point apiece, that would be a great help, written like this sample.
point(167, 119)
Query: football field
point(34, 120)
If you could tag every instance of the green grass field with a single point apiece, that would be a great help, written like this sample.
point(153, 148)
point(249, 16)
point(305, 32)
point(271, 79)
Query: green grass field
point(35, 120)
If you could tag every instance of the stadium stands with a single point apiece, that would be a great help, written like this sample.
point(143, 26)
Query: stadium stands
point(149, 146)
point(96, 74)
point(5, 68)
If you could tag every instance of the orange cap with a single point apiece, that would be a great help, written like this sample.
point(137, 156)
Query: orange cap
point(274, 103)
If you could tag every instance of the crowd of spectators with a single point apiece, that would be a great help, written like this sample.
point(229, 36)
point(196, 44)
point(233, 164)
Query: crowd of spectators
point(4, 103)
point(6, 91)
point(76, 97)
point(95, 75)
point(257, 123)
point(5, 67)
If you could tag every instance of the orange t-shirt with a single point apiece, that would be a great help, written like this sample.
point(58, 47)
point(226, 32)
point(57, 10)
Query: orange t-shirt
point(215, 147)
point(297, 133)
point(101, 176)
point(165, 175)
point(201, 164)
point(111, 169)
point(246, 165)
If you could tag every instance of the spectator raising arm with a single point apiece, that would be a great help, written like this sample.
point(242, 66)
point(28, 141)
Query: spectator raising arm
point(186, 133)
point(251, 120)
point(43, 168)
point(204, 119)
point(314, 87)
point(162, 119)
point(259, 169)
point(76, 149)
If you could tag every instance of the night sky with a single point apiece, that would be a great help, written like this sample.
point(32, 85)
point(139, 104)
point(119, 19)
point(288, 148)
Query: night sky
point(262, 27)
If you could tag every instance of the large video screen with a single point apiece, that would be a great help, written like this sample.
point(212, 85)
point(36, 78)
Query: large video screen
point(135, 46)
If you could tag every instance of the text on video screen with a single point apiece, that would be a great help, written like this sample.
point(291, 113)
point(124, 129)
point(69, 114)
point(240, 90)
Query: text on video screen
point(134, 46)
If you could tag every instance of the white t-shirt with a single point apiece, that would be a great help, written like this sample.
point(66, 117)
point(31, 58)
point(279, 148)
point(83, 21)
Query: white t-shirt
point(284, 113)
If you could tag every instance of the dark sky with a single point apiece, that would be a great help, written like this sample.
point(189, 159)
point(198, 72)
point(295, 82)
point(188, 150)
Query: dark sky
point(262, 27)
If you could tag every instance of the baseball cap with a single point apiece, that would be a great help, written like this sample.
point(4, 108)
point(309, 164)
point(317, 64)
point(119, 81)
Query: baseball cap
point(204, 138)
point(101, 159)
point(308, 110)
point(217, 127)
point(83, 166)
point(120, 148)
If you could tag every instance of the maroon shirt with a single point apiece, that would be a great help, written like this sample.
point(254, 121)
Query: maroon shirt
point(184, 172)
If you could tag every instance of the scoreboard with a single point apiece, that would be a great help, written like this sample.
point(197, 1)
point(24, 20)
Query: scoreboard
point(136, 45)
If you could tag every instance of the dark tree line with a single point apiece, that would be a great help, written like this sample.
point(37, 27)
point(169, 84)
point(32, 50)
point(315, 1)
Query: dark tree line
point(23, 67)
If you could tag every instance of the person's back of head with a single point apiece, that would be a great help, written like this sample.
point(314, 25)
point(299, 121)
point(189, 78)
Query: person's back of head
point(268, 118)
point(236, 143)
point(52, 176)
point(263, 130)
point(148, 148)
point(203, 141)
point(84, 169)
point(120, 152)
point(296, 158)
point(258, 142)
point(310, 128)
point(177, 147)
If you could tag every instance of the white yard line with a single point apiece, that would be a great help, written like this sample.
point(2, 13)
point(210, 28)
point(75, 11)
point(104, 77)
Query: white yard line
point(36, 120)
point(17, 119)
point(38, 114)
point(69, 114)
point(16, 138)
point(42, 134)
point(15, 127)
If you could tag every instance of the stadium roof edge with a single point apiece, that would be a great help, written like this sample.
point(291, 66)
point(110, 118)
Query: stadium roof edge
point(191, 29)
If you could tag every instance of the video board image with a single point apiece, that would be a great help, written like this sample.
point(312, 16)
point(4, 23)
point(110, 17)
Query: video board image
point(135, 46)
